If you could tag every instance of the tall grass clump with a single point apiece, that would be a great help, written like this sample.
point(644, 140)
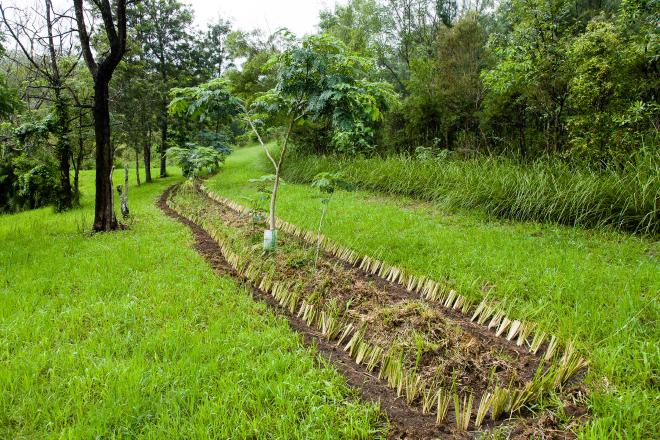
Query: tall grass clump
point(625, 198)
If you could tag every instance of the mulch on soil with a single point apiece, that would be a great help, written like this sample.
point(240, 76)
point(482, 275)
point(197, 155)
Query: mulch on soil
point(455, 351)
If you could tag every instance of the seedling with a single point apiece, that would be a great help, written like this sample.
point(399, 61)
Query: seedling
point(326, 183)
point(498, 402)
point(462, 412)
point(482, 410)
point(414, 385)
point(427, 400)
point(444, 398)
point(569, 364)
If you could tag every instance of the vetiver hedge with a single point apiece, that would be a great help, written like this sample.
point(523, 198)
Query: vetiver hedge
point(546, 191)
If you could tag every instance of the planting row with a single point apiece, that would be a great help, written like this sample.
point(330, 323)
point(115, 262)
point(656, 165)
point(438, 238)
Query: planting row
point(430, 344)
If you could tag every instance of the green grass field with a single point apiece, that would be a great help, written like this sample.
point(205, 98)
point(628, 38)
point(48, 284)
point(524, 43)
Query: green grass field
point(131, 335)
point(597, 287)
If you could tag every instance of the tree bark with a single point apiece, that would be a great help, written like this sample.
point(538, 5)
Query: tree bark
point(137, 168)
point(104, 214)
point(163, 141)
point(78, 161)
point(63, 151)
point(278, 167)
point(147, 157)
point(147, 163)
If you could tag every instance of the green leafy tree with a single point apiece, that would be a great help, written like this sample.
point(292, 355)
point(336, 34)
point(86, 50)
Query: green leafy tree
point(445, 92)
point(527, 88)
point(194, 160)
point(164, 30)
point(207, 114)
point(37, 34)
point(317, 78)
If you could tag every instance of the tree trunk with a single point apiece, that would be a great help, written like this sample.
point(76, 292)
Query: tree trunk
point(273, 200)
point(147, 163)
point(278, 167)
point(163, 141)
point(79, 159)
point(137, 167)
point(147, 157)
point(63, 150)
point(104, 215)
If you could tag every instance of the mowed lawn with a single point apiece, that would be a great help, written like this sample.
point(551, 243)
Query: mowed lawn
point(598, 288)
point(132, 335)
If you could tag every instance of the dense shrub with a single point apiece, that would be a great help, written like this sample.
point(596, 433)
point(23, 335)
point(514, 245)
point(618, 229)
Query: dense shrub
point(547, 191)
point(195, 159)
point(26, 184)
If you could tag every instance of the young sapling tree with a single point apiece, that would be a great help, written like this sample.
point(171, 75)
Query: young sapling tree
point(326, 183)
point(318, 78)
point(263, 195)
point(194, 160)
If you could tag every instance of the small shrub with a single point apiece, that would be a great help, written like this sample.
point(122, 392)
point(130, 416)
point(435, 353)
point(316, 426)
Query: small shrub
point(195, 159)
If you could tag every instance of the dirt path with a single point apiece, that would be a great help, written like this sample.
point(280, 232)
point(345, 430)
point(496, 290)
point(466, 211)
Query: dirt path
point(405, 422)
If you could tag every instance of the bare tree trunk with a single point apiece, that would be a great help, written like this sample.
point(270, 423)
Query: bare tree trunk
point(77, 164)
point(163, 141)
point(123, 194)
point(137, 167)
point(147, 157)
point(278, 167)
point(104, 215)
point(63, 149)
point(147, 163)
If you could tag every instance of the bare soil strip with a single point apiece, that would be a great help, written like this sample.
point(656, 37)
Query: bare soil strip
point(434, 347)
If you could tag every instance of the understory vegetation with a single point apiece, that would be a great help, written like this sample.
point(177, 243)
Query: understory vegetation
point(595, 287)
point(543, 191)
point(154, 345)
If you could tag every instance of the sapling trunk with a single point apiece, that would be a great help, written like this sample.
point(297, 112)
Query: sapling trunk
point(123, 194)
point(318, 232)
point(270, 239)
point(273, 199)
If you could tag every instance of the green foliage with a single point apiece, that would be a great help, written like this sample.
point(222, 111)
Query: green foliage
point(444, 91)
point(327, 183)
point(605, 124)
point(194, 159)
point(528, 78)
point(26, 183)
point(321, 83)
point(9, 100)
point(210, 102)
point(211, 109)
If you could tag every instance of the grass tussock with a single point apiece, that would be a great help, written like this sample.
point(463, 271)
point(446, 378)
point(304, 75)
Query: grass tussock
point(544, 191)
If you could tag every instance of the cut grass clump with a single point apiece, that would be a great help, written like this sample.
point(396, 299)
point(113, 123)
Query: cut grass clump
point(543, 191)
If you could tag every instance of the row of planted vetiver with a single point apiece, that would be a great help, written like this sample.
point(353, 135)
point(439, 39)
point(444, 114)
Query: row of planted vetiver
point(349, 322)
